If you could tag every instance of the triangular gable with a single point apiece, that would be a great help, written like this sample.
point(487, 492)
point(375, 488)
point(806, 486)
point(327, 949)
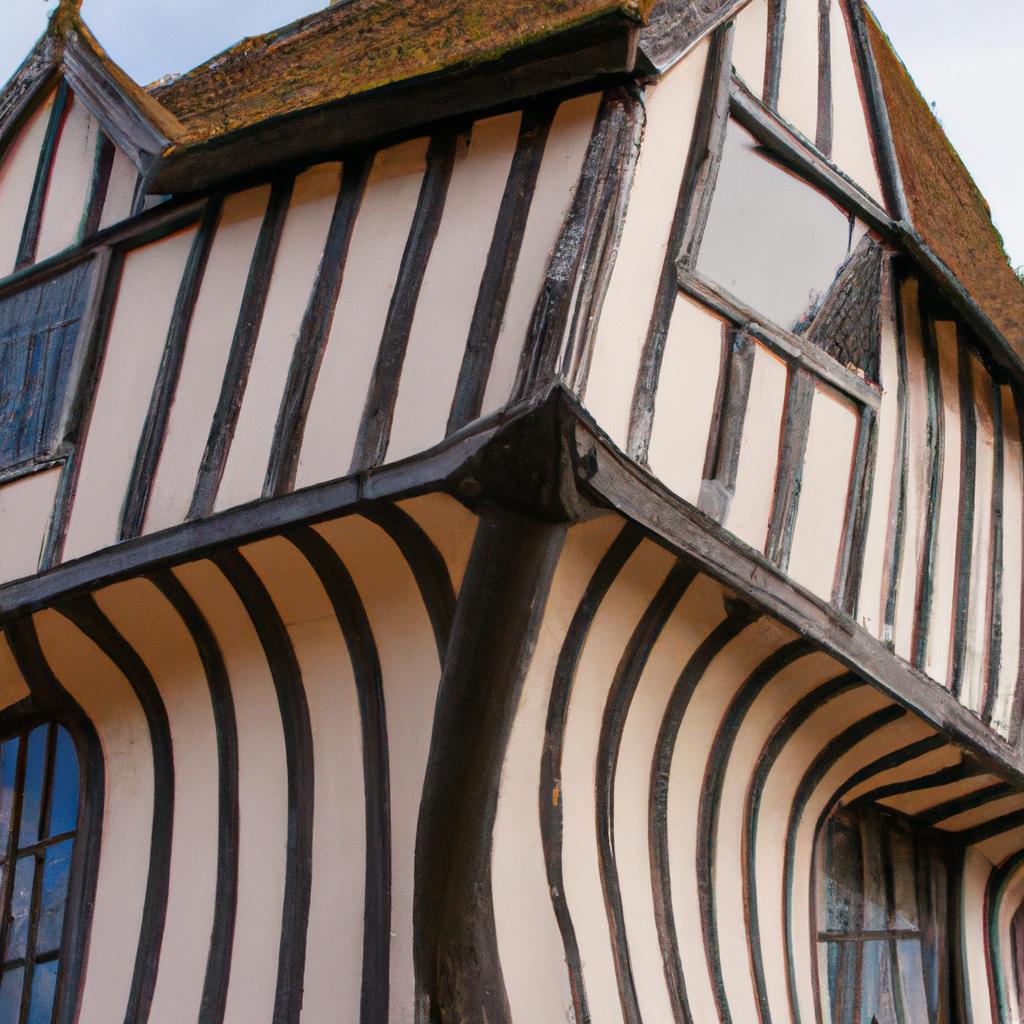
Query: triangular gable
point(132, 119)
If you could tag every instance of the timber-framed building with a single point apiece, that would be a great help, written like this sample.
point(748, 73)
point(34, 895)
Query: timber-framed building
point(509, 513)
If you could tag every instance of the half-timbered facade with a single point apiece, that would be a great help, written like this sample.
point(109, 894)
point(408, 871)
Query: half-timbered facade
point(508, 513)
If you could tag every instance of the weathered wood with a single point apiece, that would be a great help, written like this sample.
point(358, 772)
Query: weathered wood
point(564, 318)
point(502, 259)
point(455, 949)
point(25, 89)
point(846, 593)
point(105, 153)
point(131, 126)
point(823, 133)
point(676, 26)
point(796, 429)
point(994, 610)
point(877, 112)
point(773, 57)
point(724, 444)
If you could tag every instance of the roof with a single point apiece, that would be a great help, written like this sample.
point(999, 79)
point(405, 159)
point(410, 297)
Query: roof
point(356, 46)
point(946, 207)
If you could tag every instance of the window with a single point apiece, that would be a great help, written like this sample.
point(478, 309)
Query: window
point(791, 256)
point(38, 819)
point(38, 334)
point(883, 894)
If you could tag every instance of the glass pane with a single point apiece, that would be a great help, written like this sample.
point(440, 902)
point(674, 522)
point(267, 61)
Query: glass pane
point(10, 996)
point(915, 1001)
point(32, 803)
point(64, 806)
point(21, 905)
point(879, 994)
point(55, 890)
point(8, 780)
point(44, 985)
point(772, 241)
point(842, 981)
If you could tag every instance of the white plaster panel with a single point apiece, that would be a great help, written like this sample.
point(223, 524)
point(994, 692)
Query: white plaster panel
point(534, 971)
point(451, 285)
point(143, 616)
point(609, 634)
point(135, 345)
point(976, 634)
point(124, 178)
point(852, 150)
point(26, 508)
point(798, 83)
point(206, 355)
point(827, 478)
point(67, 196)
point(626, 313)
point(1013, 554)
point(371, 271)
point(334, 950)
point(17, 177)
point(751, 507)
point(411, 673)
point(262, 796)
point(750, 45)
point(298, 258)
point(944, 578)
point(685, 400)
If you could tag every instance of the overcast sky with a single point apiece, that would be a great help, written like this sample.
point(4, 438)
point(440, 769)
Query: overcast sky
point(964, 57)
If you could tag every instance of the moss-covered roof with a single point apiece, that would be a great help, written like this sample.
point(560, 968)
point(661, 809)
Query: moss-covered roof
point(355, 46)
point(945, 205)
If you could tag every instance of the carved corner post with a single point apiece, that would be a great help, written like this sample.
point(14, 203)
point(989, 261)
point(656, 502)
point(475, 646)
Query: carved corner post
point(458, 972)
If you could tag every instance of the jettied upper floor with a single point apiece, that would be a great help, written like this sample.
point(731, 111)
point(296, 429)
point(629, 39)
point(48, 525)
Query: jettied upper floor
point(707, 269)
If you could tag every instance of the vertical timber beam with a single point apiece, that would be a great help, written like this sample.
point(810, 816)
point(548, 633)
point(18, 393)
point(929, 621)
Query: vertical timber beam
point(458, 974)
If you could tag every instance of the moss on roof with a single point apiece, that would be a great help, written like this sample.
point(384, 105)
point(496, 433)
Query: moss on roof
point(946, 206)
point(355, 46)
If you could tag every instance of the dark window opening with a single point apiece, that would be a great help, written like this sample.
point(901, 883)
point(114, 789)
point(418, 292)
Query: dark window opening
point(38, 335)
point(883, 899)
point(39, 784)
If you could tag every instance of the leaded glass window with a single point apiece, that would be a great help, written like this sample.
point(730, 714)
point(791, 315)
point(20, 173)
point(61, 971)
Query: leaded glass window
point(38, 819)
point(883, 892)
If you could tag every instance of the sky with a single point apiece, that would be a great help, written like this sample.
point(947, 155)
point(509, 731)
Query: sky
point(964, 57)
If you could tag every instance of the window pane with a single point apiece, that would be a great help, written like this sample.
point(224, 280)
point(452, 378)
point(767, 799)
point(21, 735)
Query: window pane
point(8, 780)
point(904, 913)
point(44, 985)
point(10, 995)
point(31, 807)
point(21, 905)
point(772, 241)
point(56, 872)
point(64, 806)
point(879, 993)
